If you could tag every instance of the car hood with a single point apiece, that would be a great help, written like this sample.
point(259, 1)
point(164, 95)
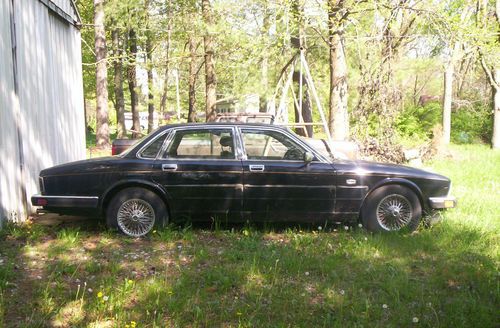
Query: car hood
point(88, 165)
point(362, 167)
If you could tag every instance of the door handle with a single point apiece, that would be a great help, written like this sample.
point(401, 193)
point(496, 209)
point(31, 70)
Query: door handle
point(256, 168)
point(169, 167)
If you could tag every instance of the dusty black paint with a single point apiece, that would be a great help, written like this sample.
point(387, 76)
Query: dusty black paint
point(322, 189)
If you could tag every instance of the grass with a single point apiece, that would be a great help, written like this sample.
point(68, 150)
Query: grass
point(79, 275)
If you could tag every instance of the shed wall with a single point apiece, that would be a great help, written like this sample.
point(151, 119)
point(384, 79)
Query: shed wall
point(10, 194)
point(50, 93)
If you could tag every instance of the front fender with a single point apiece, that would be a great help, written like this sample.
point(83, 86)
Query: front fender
point(397, 181)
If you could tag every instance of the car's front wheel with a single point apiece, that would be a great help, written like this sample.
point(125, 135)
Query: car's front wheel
point(391, 208)
point(136, 211)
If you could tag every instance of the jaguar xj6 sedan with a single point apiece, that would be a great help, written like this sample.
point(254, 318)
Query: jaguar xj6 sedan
point(229, 171)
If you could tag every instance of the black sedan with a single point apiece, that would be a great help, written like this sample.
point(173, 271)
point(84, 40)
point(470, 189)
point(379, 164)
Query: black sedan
point(238, 172)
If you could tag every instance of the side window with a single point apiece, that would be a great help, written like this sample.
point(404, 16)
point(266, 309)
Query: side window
point(203, 143)
point(153, 148)
point(271, 145)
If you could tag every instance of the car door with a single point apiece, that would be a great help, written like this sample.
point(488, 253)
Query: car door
point(278, 183)
point(201, 171)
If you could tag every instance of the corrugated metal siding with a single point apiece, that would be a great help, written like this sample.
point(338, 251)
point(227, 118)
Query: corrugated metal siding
point(50, 89)
point(68, 8)
point(10, 193)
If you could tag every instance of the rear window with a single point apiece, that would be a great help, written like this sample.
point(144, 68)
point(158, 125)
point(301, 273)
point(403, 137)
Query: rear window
point(152, 150)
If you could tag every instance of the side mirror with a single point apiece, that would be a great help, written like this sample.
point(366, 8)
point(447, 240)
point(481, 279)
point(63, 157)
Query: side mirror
point(308, 157)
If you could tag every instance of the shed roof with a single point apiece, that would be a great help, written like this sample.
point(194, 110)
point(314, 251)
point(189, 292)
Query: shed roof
point(64, 9)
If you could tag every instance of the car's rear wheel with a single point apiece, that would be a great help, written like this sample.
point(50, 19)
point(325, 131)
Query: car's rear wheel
point(391, 208)
point(136, 211)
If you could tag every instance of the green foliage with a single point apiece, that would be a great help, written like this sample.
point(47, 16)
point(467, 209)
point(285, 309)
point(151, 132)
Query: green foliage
point(418, 121)
point(472, 125)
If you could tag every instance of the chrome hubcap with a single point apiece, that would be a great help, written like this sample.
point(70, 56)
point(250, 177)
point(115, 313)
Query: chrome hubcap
point(136, 217)
point(394, 212)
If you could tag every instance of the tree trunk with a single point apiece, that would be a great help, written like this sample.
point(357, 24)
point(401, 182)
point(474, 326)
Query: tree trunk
point(210, 75)
point(338, 115)
point(192, 80)
point(132, 84)
point(495, 140)
point(102, 127)
point(307, 112)
point(264, 95)
point(163, 101)
point(447, 100)
point(121, 131)
point(302, 92)
point(151, 106)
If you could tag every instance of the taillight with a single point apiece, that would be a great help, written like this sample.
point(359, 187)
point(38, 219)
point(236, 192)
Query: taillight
point(113, 150)
point(41, 202)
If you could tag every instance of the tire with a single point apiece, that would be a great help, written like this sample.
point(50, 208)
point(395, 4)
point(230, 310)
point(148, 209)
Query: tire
point(136, 211)
point(391, 208)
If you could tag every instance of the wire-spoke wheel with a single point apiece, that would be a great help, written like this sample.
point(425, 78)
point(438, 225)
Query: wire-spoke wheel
point(136, 217)
point(394, 212)
point(135, 211)
point(391, 208)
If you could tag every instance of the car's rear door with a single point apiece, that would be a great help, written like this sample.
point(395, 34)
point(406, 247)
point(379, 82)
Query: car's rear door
point(201, 172)
point(278, 184)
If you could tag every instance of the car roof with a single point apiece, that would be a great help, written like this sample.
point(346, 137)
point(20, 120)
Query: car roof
point(209, 124)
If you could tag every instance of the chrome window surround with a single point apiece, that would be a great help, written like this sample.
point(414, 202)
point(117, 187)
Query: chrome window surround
point(161, 134)
point(238, 143)
point(173, 131)
point(288, 134)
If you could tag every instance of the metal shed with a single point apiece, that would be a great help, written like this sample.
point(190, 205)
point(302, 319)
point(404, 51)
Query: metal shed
point(41, 96)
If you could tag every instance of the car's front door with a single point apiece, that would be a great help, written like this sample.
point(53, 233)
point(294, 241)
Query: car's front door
point(279, 184)
point(201, 172)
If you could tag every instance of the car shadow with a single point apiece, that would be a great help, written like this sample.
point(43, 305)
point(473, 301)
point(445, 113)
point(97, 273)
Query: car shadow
point(96, 224)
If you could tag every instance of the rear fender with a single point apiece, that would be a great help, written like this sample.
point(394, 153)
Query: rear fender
point(120, 185)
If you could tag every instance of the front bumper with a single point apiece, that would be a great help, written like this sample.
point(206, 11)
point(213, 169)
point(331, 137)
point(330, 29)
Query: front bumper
point(65, 201)
point(442, 202)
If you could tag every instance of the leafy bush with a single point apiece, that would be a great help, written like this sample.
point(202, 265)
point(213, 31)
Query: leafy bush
point(471, 125)
point(468, 124)
point(419, 121)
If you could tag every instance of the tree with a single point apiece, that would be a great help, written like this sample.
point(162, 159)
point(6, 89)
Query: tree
point(149, 67)
point(489, 55)
point(193, 75)
point(455, 44)
point(264, 31)
point(163, 100)
point(102, 128)
point(118, 84)
point(304, 109)
point(149, 63)
point(210, 74)
point(337, 105)
point(132, 83)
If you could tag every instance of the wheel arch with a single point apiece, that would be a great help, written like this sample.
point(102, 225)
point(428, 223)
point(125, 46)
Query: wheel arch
point(395, 181)
point(119, 186)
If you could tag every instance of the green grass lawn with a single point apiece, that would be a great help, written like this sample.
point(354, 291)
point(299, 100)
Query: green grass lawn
point(80, 275)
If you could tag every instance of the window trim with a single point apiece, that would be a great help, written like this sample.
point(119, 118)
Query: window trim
point(138, 154)
point(318, 157)
point(173, 131)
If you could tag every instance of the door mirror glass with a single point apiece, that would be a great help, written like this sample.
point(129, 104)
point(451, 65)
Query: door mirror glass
point(308, 157)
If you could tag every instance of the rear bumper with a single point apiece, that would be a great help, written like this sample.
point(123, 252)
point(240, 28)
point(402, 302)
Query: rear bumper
point(65, 201)
point(442, 202)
